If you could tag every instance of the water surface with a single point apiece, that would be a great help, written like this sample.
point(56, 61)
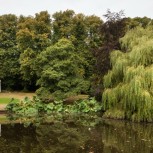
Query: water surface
point(108, 137)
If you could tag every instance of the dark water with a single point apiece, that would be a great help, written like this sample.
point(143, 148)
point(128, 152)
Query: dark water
point(107, 137)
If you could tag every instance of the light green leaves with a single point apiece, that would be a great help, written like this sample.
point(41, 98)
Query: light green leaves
point(60, 70)
point(130, 82)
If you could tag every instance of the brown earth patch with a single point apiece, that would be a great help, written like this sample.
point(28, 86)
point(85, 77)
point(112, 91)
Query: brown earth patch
point(2, 107)
point(17, 95)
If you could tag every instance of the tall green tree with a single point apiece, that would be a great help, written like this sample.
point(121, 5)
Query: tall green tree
point(9, 53)
point(94, 37)
point(129, 85)
point(62, 25)
point(83, 31)
point(60, 70)
point(33, 36)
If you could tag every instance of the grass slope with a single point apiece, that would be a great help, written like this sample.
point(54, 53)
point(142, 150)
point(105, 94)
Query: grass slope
point(7, 100)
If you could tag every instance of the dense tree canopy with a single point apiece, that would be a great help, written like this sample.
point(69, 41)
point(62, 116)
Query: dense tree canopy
point(111, 31)
point(9, 52)
point(68, 53)
point(129, 84)
point(61, 71)
point(33, 36)
point(82, 31)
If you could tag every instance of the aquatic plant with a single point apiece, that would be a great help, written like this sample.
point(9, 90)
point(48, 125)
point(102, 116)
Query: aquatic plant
point(26, 110)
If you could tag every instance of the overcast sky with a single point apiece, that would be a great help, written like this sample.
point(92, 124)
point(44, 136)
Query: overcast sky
point(132, 8)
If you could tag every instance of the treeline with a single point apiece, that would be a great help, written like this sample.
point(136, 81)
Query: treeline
point(63, 54)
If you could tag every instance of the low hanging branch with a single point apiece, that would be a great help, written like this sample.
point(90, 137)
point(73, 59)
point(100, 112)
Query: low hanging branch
point(129, 85)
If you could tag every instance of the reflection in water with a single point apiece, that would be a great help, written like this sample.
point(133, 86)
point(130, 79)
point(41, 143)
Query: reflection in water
point(0, 130)
point(127, 137)
point(108, 137)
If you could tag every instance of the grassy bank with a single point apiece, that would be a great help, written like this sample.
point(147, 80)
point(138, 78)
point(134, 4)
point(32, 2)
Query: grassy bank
point(16, 95)
point(6, 97)
point(7, 100)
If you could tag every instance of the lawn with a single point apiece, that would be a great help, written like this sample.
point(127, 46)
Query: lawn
point(5, 97)
point(3, 119)
point(7, 100)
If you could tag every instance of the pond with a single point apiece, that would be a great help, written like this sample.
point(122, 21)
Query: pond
point(108, 136)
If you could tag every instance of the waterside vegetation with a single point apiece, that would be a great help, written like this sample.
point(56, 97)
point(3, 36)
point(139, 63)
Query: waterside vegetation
point(129, 85)
point(69, 54)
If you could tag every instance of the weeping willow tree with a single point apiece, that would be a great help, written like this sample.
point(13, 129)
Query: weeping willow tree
point(129, 85)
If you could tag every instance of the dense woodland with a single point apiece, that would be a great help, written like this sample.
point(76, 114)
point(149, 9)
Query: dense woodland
point(67, 54)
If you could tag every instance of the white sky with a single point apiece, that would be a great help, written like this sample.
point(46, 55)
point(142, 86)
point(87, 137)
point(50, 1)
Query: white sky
point(132, 8)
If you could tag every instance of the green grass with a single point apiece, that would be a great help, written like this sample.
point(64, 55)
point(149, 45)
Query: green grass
point(3, 118)
point(7, 100)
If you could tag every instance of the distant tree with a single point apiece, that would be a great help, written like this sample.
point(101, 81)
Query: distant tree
point(27, 67)
point(34, 32)
point(80, 29)
point(33, 36)
point(139, 21)
point(94, 38)
point(8, 28)
point(62, 25)
point(83, 31)
point(9, 53)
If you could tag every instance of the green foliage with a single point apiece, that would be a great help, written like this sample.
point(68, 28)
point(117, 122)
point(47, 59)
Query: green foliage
point(83, 31)
point(22, 39)
point(8, 28)
point(27, 108)
point(33, 36)
point(80, 106)
point(130, 82)
point(54, 107)
point(43, 93)
point(60, 70)
point(114, 113)
point(27, 62)
point(9, 52)
point(9, 67)
point(62, 25)
point(34, 33)
point(139, 21)
point(84, 106)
